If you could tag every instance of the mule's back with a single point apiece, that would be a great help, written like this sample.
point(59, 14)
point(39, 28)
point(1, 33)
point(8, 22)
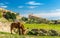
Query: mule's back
point(14, 25)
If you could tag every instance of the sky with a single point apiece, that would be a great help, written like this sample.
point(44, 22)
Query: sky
point(49, 9)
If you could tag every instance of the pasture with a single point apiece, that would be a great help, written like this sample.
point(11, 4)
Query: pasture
point(8, 35)
point(33, 26)
point(43, 26)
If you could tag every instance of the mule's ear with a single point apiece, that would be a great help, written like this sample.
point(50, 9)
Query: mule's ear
point(18, 23)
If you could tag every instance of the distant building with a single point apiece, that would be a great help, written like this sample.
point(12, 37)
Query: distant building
point(33, 16)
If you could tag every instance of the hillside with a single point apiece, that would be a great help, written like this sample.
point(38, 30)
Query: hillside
point(4, 22)
point(7, 17)
point(5, 13)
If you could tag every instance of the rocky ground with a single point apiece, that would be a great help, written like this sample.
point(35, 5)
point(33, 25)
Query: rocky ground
point(4, 27)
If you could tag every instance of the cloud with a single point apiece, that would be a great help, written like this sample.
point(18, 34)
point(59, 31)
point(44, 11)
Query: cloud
point(32, 7)
point(2, 5)
point(27, 7)
point(20, 6)
point(34, 3)
point(31, 4)
point(58, 10)
point(49, 14)
point(54, 14)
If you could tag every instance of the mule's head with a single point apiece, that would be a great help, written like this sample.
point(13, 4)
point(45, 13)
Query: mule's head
point(26, 31)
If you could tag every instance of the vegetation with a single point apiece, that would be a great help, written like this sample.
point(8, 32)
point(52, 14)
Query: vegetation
point(24, 19)
point(44, 29)
point(32, 22)
point(10, 15)
point(0, 14)
point(44, 26)
point(8, 35)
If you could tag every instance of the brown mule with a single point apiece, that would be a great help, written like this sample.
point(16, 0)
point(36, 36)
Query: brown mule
point(19, 26)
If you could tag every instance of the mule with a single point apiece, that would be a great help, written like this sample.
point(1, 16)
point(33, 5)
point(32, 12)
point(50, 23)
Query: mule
point(19, 26)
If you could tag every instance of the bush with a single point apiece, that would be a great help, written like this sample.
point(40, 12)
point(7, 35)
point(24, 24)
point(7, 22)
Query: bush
point(30, 33)
point(52, 33)
point(24, 19)
point(42, 32)
point(10, 15)
point(33, 32)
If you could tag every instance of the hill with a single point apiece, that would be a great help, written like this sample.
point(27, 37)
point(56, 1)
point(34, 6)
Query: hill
point(6, 18)
point(7, 14)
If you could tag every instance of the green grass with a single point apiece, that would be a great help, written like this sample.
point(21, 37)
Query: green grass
point(8, 35)
point(31, 26)
point(43, 26)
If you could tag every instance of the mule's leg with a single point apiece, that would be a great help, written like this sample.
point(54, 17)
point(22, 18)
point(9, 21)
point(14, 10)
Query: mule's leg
point(11, 29)
point(19, 30)
point(23, 31)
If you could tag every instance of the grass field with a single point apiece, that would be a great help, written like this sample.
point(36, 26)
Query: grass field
point(31, 26)
point(8, 35)
point(44, 26)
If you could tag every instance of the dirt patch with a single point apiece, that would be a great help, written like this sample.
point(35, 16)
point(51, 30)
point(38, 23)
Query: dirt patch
point(5, 27)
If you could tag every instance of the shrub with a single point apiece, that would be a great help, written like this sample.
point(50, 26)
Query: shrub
point(42, 32)
point(24, 19)
point(30, 33)
point(10, 15)
point(52, 32)
point(33, 32)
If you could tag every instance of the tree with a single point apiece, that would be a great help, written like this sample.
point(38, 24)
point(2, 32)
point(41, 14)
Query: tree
point(13, 16)
point(10, 15)
point(55, 22)
point(24, 19)
point(17, 13)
